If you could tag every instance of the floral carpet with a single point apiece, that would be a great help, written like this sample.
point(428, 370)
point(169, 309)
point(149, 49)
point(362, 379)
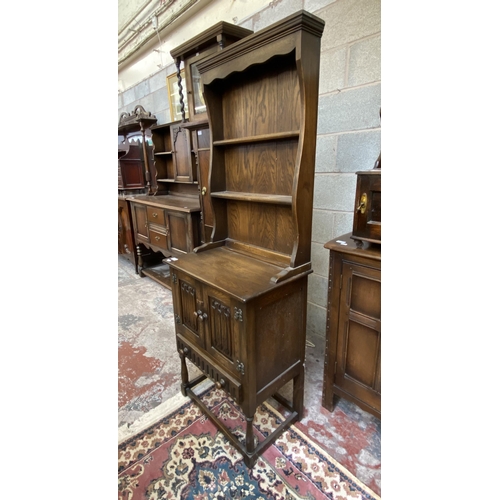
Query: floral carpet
point(184, 456)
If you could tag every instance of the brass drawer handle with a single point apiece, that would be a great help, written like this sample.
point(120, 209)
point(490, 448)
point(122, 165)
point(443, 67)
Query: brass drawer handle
point(220, 384)
point(204, 191)
point(362, 204)
point(157, 238)
point(155, 214)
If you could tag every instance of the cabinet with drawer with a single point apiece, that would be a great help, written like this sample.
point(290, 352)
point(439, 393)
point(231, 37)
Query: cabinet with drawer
point(245, 332)
point(165, 224)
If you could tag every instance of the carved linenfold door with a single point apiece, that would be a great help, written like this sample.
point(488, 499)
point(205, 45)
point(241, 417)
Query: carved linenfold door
point(222, 329)
point(191, 315)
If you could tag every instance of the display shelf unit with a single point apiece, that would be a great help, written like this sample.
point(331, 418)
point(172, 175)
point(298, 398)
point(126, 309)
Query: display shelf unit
point(134, 150)
point(190, 54)
point(134, 161)
point(240, 298)
point(167, 220)
point(172, 154)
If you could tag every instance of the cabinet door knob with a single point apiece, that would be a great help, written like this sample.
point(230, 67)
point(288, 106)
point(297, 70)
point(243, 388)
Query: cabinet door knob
point(204, 191)
point(201, 315)
point(220, 383)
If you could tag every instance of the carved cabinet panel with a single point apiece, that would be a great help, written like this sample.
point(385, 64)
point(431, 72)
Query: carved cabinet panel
point(209, 319)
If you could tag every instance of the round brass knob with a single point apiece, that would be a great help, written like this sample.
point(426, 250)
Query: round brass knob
point(220, 383)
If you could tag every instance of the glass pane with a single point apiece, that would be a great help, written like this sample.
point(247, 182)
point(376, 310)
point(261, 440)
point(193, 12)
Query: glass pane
point(199, 101)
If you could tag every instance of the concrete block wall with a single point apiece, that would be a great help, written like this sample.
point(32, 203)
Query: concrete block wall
point(348, 137)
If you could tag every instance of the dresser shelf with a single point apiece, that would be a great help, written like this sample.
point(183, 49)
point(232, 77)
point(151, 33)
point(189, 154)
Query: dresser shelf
point(258, 138)
point(253, 197)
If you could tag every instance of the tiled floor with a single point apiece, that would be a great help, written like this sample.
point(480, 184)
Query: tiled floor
point(149, 374)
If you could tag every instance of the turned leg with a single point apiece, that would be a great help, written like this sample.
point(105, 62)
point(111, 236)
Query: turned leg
point(184, 372)
point(249, 442)
point(139, 260)
point(298, 393)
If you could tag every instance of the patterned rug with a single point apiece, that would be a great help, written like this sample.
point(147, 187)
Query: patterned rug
point(184, 456)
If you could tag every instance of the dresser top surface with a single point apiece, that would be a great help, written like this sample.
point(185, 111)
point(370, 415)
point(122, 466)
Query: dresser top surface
point(180, 203)
point(346, 244)
point(239, 275)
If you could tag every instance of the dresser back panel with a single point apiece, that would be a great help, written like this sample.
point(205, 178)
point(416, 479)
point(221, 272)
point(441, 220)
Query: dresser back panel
point(262, 100)
point(262, 225)
point(265, 168)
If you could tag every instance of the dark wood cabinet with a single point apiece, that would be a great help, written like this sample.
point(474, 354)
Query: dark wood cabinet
point(126, 242)
point(240, 298)
point(165, 224)
point(353, 330)
point(367, 223)
point(167, 220)
point(134, 176)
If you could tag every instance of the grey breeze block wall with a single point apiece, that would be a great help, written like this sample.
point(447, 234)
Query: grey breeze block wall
point(348, 136)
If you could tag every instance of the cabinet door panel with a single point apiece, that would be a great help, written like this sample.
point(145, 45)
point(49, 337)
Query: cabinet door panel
point(208, 215)
point(222, 331)
point(365, 291)
point(188, 300)
point(361, 355)
point(182, 156)
point(358, 358)
point(178, 232)
point(140, 222)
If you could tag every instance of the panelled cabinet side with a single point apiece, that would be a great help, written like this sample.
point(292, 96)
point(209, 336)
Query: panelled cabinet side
point(353, 331)
point(333, 301)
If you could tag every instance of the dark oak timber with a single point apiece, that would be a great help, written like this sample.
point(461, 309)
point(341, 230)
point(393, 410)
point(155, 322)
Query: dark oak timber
point(353, 332)
point(240, 298)
point(134, 172)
